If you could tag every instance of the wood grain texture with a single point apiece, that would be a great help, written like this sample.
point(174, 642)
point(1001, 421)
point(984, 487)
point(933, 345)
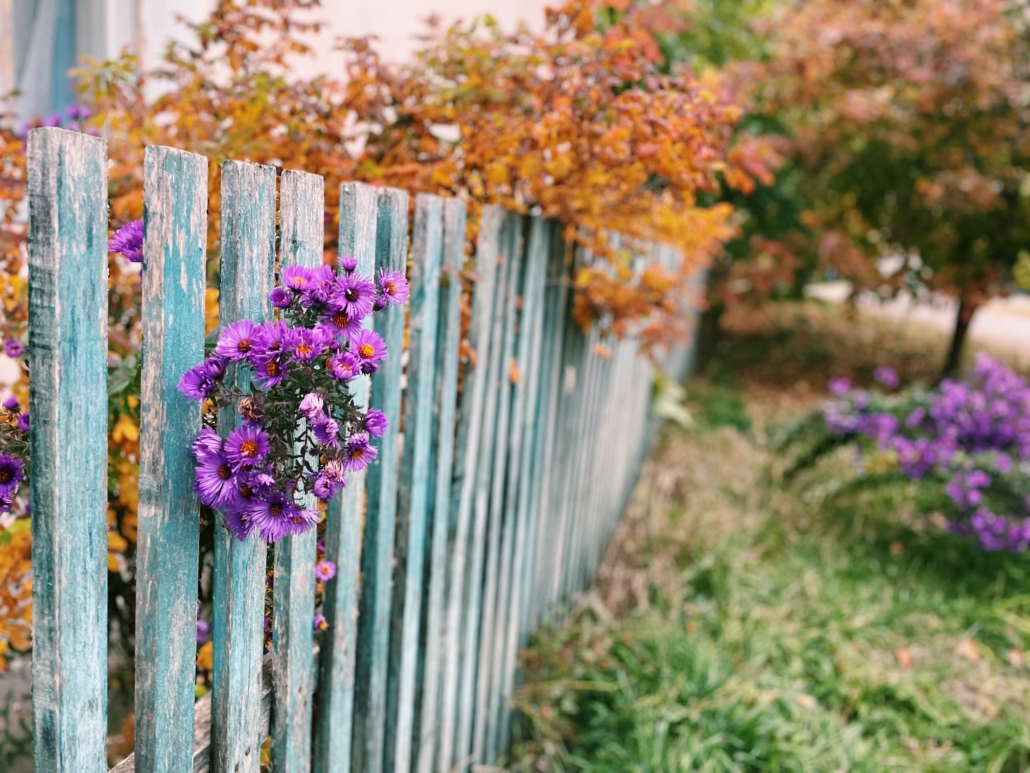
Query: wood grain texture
point(67, 187)
point(247, 266)
point(415, 488)
point(167, 546)
point(335, 716)
point(301, 204)
point(431, 640)
point(471, 421)
point(381, 510)
point(485, 699)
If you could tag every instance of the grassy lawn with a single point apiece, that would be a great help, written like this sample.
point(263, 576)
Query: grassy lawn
point(741, 624)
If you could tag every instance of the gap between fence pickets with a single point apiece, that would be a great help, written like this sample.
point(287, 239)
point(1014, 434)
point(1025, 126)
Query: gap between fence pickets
point(202, 722)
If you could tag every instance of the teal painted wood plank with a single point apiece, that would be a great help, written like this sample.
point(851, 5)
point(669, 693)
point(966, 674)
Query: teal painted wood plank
point(167, 545)
point(492, 238)
point(485, 701)
point(471, 422)
point(359, 209)
point(414, 490)
point(431, 636)
point(380, 516)
point(520, 489)
point(542, 515)
point(302, 225)
point(67, 187)
point(247, 266)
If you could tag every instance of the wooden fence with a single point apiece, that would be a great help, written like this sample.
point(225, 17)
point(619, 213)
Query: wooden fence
point(496, 506)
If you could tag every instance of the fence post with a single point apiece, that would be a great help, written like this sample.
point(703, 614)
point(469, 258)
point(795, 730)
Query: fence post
point(335, 717)
point(248, 261)
point(175, 244)
point(301, 220)
point(444, 412)
point(67, 186)
point(381, 509)
point(415, 489)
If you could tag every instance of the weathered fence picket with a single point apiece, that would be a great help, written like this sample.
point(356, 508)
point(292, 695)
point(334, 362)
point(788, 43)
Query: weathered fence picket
point(168, 530)
point(301, 226)
point(513, 444)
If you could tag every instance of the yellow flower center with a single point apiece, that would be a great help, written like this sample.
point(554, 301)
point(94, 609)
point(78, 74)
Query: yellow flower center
point(366, 350)
point(248, 447)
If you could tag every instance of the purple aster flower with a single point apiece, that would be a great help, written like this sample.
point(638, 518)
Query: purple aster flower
point(374, 422)
point(214, 484)
point(344, 366)
point(246, 446)
point(325, 570)
point(339, 323)
point(128, 241)
point(368, 346)
point(309, 344)
point(53, 120)
point(280, 298)
point(12, 472)
point(348, 264)
point(13, 347)
point(11, 404)
point(237, 341)
point(839, 386)
point(208, 443)
point(270, 339)
point(197, 383)
point(327, 431)
point(353, 295)
point(887, 376)
point(311, 405)
point(203, 631)
point(238, 522)
point(358, 453)
point(271, 515)
point(321, 623)
point(23, 422)
point(301, 520)
point(269, 371)
point(379, 303)
point(325, 488)
point(393, 286)
point(297, 278)
point(320, 545)
point(320, 287)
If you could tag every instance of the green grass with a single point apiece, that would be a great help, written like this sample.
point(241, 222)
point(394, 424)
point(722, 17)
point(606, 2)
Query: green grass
point(742, 625)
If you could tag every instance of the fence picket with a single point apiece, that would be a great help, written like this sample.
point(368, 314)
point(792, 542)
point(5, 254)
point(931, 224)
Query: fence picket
point(301, 202)
point(67, 186)
point(380, 515)
point(492, 240)
point(512, 254)
point(248, 262)
point(445, 408)
point(168, 531)
point(472, 418)
point(520, 485)
point(414, 493)
point(335, 717)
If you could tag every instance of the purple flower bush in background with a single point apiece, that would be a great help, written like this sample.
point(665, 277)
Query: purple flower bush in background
point(968, 439)
point(300, 433)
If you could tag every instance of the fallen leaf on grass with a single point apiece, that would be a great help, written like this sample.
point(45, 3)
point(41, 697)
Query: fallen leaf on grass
point(904, 656)
point(967, 648)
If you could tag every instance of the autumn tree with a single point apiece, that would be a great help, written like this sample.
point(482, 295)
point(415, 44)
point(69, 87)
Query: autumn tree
point(909, 123)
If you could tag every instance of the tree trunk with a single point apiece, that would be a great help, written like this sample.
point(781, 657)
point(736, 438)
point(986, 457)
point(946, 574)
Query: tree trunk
point(963, 317)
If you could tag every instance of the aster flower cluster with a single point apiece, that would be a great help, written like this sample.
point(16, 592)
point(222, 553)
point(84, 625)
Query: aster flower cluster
point(72, 119)
point(300, 433)
point(14, 453)
point(968, 439)
point(127, 241)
